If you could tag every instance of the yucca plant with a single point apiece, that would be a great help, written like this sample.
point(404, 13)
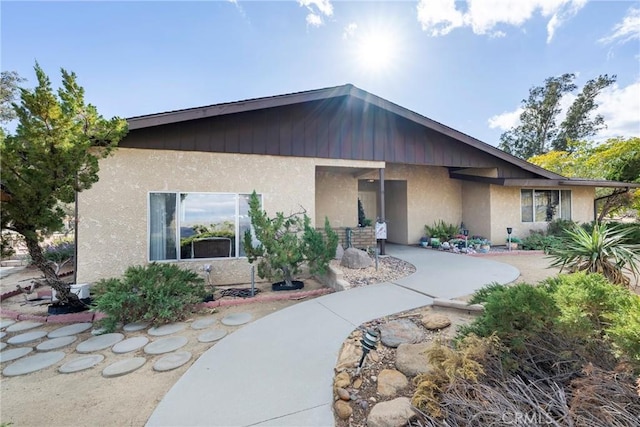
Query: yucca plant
point(605, 250)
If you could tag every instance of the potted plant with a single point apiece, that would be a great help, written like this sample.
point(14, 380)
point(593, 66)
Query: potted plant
point(283, 243)
point(513, 242)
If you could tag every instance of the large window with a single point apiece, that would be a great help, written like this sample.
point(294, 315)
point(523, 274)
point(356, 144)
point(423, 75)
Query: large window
point(545, 205)
point(197, 225)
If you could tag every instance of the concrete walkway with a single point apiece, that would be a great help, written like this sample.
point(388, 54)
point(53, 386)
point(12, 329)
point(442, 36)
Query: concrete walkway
point(278, 370)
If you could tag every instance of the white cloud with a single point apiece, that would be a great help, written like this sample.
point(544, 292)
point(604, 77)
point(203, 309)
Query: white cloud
point(620, 108)
point(317, 10)
point(626, 30)
point(507, 120)
point(439, 17)
point(349, 30)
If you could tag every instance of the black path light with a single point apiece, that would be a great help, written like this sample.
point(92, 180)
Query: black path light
point(466, 235)
point(369, 342)
point(509, 231)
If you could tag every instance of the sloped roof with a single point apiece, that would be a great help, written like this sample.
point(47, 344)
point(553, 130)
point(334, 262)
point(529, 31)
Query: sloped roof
point(349, 90)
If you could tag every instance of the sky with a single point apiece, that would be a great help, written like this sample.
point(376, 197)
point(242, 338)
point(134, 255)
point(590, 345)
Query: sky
point(466, 64)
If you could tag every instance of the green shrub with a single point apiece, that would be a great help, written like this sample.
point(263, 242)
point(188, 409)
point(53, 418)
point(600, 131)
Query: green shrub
point(539, 242)
point(558, 227)
point(60, 251)
point(158, 293)
point(512, 312)
point(441, 230)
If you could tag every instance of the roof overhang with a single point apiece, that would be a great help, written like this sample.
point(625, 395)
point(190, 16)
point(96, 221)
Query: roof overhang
point(544, 183)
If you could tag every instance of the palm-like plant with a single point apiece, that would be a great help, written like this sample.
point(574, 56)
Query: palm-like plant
point(605, 250)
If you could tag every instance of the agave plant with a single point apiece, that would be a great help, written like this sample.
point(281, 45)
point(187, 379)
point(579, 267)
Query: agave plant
point(605, 250)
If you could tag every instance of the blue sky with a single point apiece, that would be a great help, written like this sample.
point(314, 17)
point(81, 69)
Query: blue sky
point(465, 64)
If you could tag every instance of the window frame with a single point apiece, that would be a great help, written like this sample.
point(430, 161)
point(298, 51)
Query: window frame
point(560, 207)
point(178, 207)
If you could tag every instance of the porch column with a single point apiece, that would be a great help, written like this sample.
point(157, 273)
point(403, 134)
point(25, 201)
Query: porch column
point(381, 207)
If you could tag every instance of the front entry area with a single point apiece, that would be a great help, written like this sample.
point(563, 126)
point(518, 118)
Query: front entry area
point(395, 208)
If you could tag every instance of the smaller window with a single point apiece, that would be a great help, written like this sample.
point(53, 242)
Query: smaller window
point(545, 205)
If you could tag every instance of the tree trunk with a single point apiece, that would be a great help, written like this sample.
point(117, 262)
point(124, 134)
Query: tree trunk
point(286, 275)
point(63, 290)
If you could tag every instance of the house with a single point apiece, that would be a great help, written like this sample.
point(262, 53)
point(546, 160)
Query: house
point(177, 188)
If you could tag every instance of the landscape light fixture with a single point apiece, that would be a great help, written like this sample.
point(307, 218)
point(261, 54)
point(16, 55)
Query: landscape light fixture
point(509, 231)
point(369, 342)
point(466, 235)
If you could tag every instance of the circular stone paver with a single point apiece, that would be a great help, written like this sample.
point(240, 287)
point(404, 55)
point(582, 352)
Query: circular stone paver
point(33, 363)
point(2, 345)
point(6, 323)
point(212, 335)
point(27, 337)
point(3, 334)
point(99, 342)
point(167, 329)
point(172, 361)
point(73, 329)
point(81, 363)
point(23, 326)
point(203, 323)
point(236, 319)
point(123, 367)
point(56, 343)
point(135, 326)
point(130, 344)
point(14, 353)
point(165, 345)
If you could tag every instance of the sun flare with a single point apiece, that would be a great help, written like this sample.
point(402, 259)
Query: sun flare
point(375, 51)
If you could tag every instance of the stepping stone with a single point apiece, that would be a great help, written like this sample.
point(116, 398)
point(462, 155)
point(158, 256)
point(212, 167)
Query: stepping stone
point(2, 345)
point(165, 345)
point(172, 361)
point(27, 337)
point(135, 326)
point(3, 334)
point(14, 353)
point(203, 323)
point(236, 319)
point(81, 363)
point(167, 329)
point(23, 326)
point(33, 363)
point(123, 367)
point(130, 344)
point(6, 322)
point(212, 335)
point(73, 329)
point(402, 331)
point(99, 342)
point(56, 343)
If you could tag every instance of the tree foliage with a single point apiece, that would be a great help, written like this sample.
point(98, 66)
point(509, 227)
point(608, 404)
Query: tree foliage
point(538, 131)
point(9, 81)
point(286, 242)
point(52, 154)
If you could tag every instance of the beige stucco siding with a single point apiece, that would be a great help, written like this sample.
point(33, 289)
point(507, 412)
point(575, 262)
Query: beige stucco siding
point(336, 198)
point(112, 232)
point(476, 208)
point(506, 212)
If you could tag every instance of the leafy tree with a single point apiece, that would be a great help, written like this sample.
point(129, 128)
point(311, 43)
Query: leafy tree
point(53, 154)
point(538, 130)
point(9, 81)
point(286, 242)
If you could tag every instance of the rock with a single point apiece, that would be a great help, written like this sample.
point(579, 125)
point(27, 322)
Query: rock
point(399, 332)
point(356, 259)
point(343, 409)
point(434, 321)
point(349, 356)
point(393, 413)
point(412, 360)
point(343, 393)
point(339, 252)
point(390, 382)
point(342, 380)
point(357, 383)
point(373, 355)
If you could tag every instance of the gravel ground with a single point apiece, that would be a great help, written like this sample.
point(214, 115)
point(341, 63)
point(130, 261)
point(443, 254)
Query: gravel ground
point(389, 269)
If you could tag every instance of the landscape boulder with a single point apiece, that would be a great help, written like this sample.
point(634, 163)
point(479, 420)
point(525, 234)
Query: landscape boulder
point(393, 413)
point(356, 259)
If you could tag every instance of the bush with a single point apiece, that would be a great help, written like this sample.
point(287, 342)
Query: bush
point(539, 242)
point(60, 251)
point(441, 230)
point(158, 293)
point(558, 227)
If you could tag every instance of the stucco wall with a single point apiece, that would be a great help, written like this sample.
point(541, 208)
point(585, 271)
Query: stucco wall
point(112, 232)
point(336, 198)
point(505, 206)
point(476, 208)
point(396, 211)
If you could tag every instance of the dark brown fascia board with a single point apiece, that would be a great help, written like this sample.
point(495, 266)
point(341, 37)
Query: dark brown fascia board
point(539, 183)
point(326, 93)
point(176, 116)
